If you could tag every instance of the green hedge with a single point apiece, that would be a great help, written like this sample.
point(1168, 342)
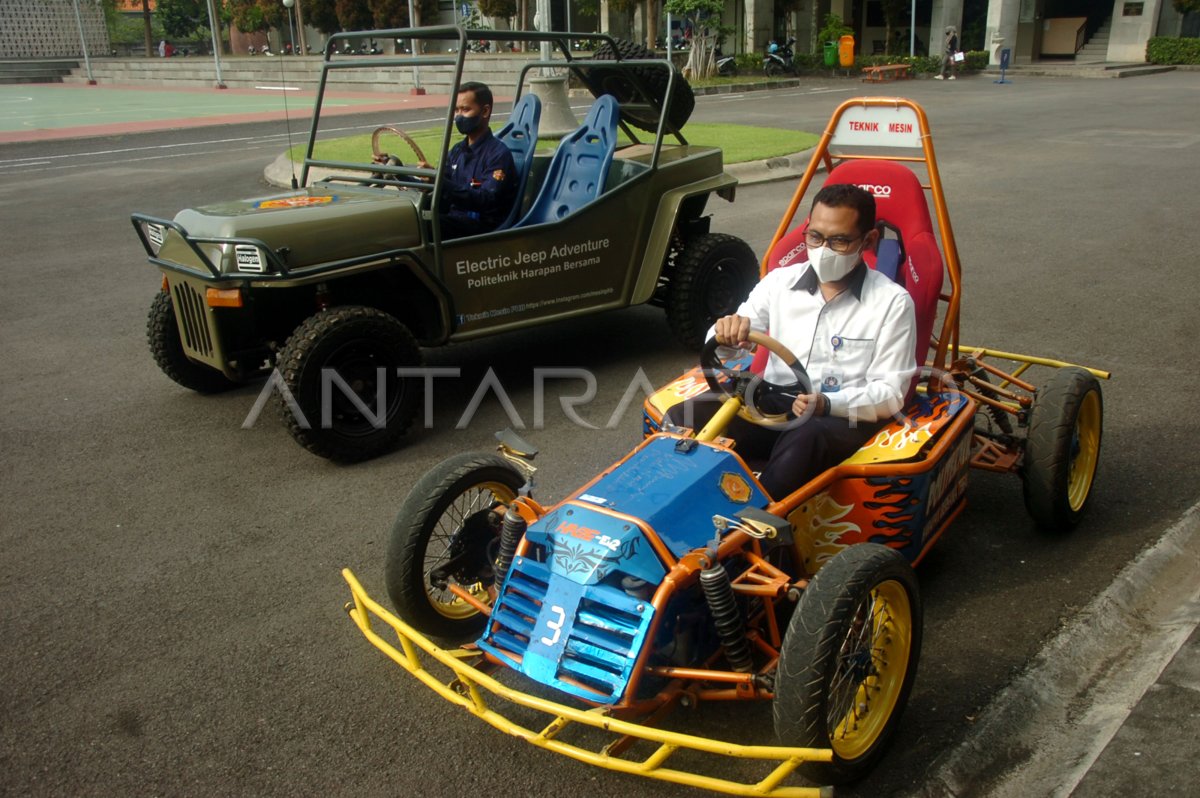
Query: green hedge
point(1163, 50)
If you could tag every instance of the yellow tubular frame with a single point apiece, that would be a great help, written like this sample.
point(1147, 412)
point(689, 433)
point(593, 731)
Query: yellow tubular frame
point(469, 686)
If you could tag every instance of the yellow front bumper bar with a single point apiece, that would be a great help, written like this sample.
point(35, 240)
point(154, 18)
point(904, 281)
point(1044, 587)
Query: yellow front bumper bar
point(468, 688)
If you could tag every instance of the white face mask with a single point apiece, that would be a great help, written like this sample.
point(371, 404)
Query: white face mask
point(832, 266)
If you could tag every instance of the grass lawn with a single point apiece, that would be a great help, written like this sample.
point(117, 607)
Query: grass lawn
point(740, 143)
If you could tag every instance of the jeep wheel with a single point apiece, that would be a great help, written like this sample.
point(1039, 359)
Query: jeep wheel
point(162, 333)
point(848, 661)
point(712, 277)
point(341, 368)
point(614, 82)
point(1063, 448)
point(446, 532)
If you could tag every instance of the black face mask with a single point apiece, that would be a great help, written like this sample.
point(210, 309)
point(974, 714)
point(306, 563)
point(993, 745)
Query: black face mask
point(467, 124)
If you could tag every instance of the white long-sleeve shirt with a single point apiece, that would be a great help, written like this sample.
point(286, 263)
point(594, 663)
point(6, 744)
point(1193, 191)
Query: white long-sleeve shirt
point(859, 349)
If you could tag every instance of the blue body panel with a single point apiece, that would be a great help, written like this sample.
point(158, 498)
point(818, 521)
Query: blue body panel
point(565, 622)
point(676, 493)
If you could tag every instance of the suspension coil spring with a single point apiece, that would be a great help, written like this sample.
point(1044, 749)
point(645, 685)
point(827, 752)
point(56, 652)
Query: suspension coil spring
point(511, 531)
point(718, 592)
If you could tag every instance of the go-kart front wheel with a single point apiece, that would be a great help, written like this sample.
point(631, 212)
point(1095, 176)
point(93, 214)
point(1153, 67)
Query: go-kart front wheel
point(848, 661)
point(1063, 448)
point(447, 528)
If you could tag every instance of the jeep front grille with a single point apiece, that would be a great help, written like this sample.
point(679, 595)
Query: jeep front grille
point(193, 319)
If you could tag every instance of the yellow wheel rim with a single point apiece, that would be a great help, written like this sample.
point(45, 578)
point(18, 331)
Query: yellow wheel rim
point(475, 499)
point(1085, 451)
point(871, 665)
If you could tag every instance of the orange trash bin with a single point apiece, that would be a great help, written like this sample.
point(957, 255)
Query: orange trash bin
point(846, 51)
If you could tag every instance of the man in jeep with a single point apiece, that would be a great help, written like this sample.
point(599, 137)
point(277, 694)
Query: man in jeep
point(479, 173)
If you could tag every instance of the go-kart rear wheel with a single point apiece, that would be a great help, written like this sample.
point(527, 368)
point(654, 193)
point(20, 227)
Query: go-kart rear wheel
point(712, 276)
point(848, 661)
point(617, 83)
point(449, 515)
point(1063, 448)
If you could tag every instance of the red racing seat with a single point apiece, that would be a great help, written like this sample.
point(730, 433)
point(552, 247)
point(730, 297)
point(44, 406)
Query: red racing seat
point(900, 203)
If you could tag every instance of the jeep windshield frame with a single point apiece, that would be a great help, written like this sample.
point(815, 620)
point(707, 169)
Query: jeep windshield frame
point(334, 61)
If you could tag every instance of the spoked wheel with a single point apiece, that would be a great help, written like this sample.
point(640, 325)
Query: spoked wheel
point(379, 152)
point(448, 530)
point(1063, 448)
point(381, 156)
point(848, 660)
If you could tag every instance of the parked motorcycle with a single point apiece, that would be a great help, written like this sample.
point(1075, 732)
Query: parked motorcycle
point(779, 59)
point(726, 64)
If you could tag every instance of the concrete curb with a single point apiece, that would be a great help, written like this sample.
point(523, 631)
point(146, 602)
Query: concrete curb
point(1041, 734)
point(279, 171)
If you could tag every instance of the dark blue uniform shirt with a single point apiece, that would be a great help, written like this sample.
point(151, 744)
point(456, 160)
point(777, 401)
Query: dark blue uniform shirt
point(480, 189)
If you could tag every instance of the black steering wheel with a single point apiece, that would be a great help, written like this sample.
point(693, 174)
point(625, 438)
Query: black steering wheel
point(753, 389)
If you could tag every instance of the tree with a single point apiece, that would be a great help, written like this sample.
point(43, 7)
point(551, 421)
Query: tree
point(354, 14)
point(650, 14)
point(389, 13)
point(1184, 6)
point(498, 8)
point(893, 12)
point(248, 16)
point(322, 15)
point(785, 9)
point(704, 16)
point(146, 23)
point(182, 18)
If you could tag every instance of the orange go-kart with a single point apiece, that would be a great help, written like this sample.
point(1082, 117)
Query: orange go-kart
point(673, 578)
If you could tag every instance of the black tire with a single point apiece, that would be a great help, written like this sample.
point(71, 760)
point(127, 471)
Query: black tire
point(355, 342)
point(858, 626)
point(772, 69)
point(616, 82)
point(711, 278)
point(456, 493)
point(1063, 448)
point(162, 334)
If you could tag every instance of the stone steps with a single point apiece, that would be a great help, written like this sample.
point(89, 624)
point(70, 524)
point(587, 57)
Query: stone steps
point(1095, 50)
point(36, 70)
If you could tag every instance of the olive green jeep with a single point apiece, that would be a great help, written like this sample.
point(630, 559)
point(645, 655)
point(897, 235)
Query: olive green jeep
point(335, 286)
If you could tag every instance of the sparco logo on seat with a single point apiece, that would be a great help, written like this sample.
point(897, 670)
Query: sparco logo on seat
point(878, 191)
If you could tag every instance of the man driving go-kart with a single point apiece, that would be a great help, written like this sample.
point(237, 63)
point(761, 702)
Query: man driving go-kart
point(852, 329)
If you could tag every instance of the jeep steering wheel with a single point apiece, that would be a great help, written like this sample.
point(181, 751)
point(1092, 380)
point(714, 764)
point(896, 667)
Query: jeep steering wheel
point(751, 388)
point(381, 156)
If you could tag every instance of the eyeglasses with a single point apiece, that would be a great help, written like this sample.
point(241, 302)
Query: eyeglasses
point(840, 244)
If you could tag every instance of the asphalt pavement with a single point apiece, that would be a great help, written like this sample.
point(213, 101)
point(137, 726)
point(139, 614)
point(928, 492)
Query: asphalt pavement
point(1110, 706)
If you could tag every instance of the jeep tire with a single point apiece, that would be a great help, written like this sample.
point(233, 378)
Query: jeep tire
point(711, 278)
point(605, 81)
point(332, 365)
point(162, 334)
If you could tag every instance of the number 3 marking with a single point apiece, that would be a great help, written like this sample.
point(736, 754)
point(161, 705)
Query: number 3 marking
point(555, 625)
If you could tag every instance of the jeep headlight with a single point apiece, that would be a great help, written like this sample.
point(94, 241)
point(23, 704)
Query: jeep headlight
point(249, 258)
point(155, 233)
